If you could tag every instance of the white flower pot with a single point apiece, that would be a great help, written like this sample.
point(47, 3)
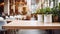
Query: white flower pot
point(40, 17)
point(47, 18)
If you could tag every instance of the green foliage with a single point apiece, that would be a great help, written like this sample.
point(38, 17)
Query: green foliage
point(48, 10)
point(59, 6)
point(40, 11)
point(55, 11)
point(37, 11)
point(53, 0)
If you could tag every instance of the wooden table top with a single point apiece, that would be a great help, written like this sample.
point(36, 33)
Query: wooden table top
point(25, 24)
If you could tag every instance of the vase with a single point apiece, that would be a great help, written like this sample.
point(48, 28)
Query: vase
point(40, 17)
point(47, 18)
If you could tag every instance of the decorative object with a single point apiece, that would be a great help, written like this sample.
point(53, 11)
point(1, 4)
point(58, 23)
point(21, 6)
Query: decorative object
point(47, 18)
point(47, 15)
point(55, 13)
point(40, 13)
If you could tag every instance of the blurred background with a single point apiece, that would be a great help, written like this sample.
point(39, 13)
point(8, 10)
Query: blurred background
point(25, 10)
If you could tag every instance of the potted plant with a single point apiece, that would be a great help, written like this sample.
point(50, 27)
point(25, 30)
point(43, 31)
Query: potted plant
point(40, 13)
point(55, 13)
point(47, 15)
point(59, 13)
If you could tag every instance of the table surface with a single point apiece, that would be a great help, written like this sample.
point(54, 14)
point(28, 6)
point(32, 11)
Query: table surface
point(32, 24)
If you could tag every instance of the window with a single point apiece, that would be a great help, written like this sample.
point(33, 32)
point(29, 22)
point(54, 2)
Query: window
point(16, 6)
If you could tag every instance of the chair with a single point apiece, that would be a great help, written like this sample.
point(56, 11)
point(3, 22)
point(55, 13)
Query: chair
point(2, 22)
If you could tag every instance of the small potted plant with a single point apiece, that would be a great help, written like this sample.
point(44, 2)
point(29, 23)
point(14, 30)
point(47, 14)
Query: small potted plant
point(55, 14)
point(47, 15)
point(40, 13)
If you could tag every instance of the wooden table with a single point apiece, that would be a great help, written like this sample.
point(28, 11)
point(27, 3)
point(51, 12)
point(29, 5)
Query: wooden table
point(25, 24)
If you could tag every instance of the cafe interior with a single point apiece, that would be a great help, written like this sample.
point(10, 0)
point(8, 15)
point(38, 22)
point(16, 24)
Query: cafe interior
point(29, 16)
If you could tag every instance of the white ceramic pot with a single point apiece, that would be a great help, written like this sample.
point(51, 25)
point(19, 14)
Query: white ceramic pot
point(47, 18)
point(40, 17)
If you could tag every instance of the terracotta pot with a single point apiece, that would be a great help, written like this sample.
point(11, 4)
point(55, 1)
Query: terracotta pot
point(55, 18)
